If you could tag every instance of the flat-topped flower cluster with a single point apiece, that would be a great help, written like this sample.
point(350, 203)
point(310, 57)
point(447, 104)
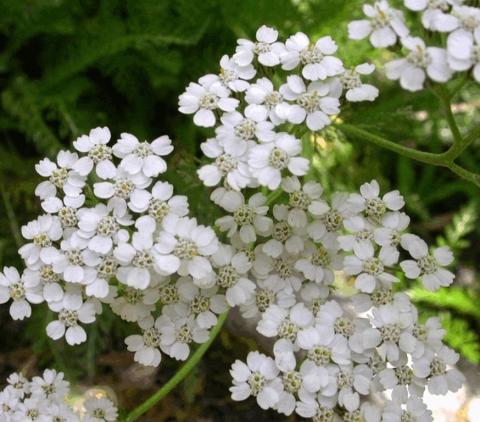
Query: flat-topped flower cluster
point(289, 246)
point(385, 27)
point(45, 399)
point(114, 234)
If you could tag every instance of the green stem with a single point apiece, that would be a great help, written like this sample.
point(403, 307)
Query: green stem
point(459, 146)
point(179, 375)
point(424, 157)
point(441, 160)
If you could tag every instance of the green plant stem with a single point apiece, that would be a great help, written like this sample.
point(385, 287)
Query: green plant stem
point(442, 160)
point(356, 132)
point(179, 375)
point(459, 146)
point(444, 98)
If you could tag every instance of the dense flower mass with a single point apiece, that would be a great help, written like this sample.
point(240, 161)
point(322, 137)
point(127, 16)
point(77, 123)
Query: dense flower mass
point(459, 51)
point(43, 399)
point(290, 247)
point(114, 234)
point(125, 241)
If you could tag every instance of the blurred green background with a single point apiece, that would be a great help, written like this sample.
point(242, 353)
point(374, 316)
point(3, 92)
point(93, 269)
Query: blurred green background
point(68, 66)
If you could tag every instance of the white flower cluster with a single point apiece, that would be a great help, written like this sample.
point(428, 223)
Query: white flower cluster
point(288, 248)
point(385, 26)
point(44, 399)
point(250, 146)
point(114, 234)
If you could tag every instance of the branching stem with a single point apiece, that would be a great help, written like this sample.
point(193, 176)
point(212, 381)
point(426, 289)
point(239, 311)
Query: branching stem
point(445, 159)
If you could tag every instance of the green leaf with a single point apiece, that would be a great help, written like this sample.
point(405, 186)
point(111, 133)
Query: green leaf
point(456, 298)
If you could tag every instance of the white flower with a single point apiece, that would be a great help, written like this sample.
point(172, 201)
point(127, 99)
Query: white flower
point(65, 208)
point(19, 383)
point(383, 26)
point(134, 305)
point(420, 61)
point(237, 130)
point(428, 267)
point(303, 198)
point(309, 407)
point(263, 94)
point(361, 230)
point(319, 261)
point(69, 263)
point(423, 338)
point(147, 345)
point(12, 286)
point(283, 323)
point(60, 176)
point(314, 103)
point(267, 161)
point(332, 315)
point(233, 76)
point(100, 228)
point(62, 412)
point(308, 379)
point(138, 261)
point(266, 48)
point(279, 271)
point(355, 89)
point(402, 381)
point(466, 29)
point(258, 378)
point(142, 157)
point(202, 98)
point(416, 411)
point(124, 187)
point(382, 296)
point(285, 238)
point(248, 218)
point(232, 274)
point(50, 386)
point(314, 296)
point(471, 60)
point(32, 410)
point(323, 346)
point(441, 379)
point(393, 228)
point(42, 232)
point(100, 410)
point(203, 304)
point(71, 310)
point(435, 13)
point(9, 400)
point(185, 247)
point(232, 168)
point(317, 59)
point(177, 332)
point(97, 282)
point(370, 203)
point(266, 294)
point(351, 383)
point(369, 269)
point(99, 154)
point(390, 322)
point(159, 203)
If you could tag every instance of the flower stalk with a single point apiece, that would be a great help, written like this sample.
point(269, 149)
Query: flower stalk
point(445, 159)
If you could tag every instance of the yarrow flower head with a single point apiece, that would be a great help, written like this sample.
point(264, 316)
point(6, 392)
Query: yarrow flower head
point(44, 399)
point(282, 250)
point(384, 25)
